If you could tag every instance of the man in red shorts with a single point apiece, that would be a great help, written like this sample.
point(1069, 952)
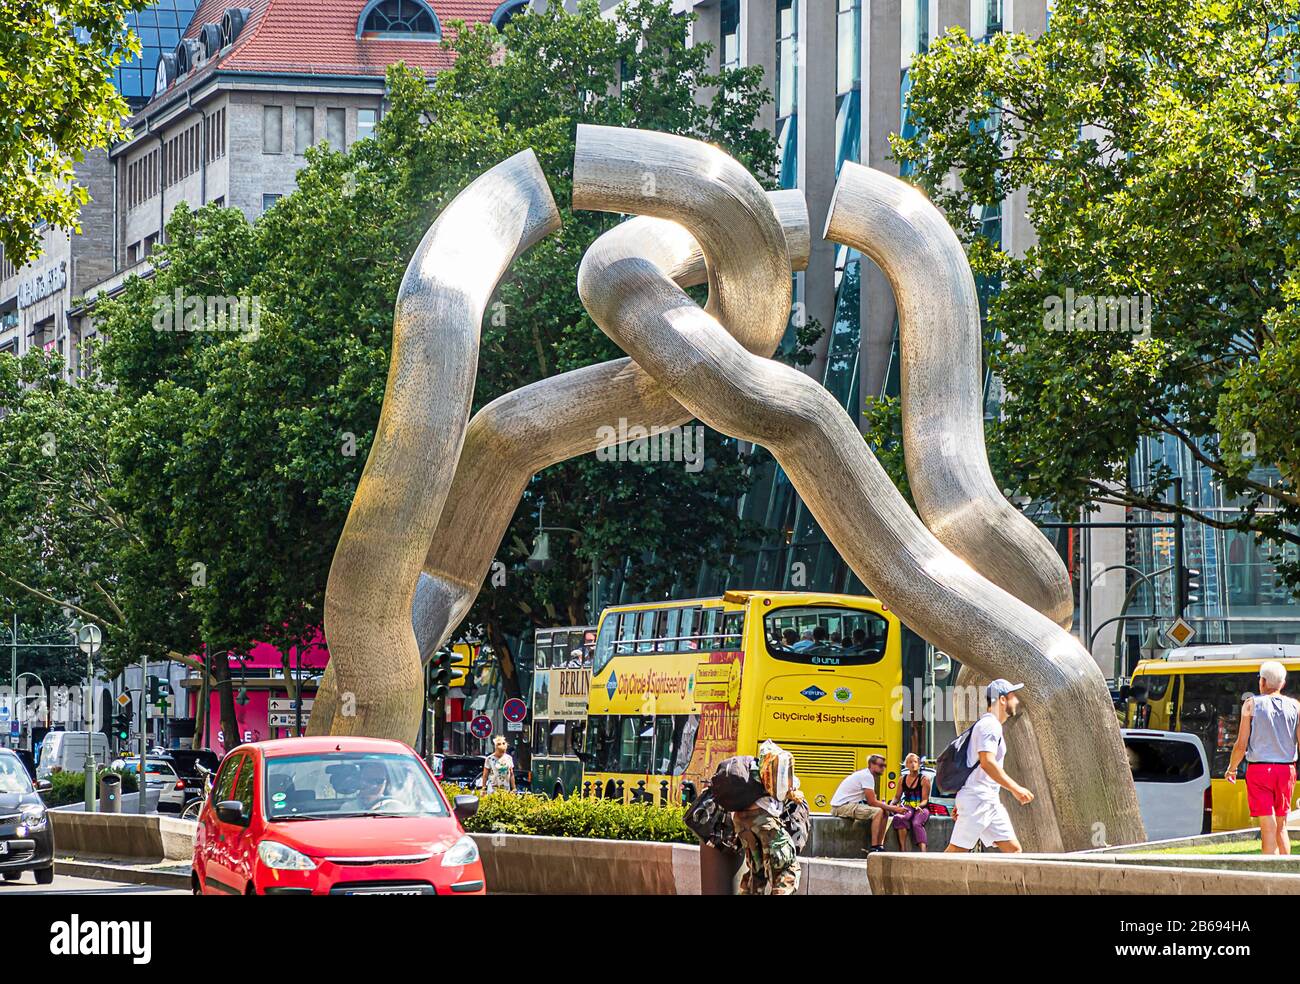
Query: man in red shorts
point(1267, 738)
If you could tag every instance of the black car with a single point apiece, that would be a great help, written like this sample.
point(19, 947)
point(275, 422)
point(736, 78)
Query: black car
point(26, 841)
point(185, 761)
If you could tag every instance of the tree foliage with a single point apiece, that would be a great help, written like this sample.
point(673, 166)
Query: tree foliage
point(1155, 145)
point(57, 101)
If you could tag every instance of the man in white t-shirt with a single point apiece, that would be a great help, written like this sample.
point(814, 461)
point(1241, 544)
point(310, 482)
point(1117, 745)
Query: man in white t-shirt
point(980, 813)
point(856, 799)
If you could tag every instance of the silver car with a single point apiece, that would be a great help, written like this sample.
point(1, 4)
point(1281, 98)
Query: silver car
point(1172, 778)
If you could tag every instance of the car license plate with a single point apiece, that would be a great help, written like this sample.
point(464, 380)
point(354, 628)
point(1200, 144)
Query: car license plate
point(4, 847)
point(386, 891)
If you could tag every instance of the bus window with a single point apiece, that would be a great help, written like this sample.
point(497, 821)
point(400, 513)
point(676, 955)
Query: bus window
point(635, 737)
point(626, 632)
point(645, 632)
point(539, 737)
point(671, 619)
point(557, 739)
point(664, 728)
point(802, 634)
point(733, 624)
point(602, 742)
point(684, 741)
point(710, 627)
point(604, 647)
point(688, 628)
point(1211, 710)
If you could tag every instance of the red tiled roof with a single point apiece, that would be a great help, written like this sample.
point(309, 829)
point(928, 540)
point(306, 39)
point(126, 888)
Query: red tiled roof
point(320, 36)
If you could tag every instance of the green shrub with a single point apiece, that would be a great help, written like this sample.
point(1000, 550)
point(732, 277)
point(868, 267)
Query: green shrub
point(575, 816)
point(70, 787)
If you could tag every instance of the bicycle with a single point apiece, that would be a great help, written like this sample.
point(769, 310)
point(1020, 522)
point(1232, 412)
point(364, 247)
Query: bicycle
point(195, 806)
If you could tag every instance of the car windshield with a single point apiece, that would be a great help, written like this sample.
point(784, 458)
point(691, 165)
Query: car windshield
point(13, 777)
point(349, 784)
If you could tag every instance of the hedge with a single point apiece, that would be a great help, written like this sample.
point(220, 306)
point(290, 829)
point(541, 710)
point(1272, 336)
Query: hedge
point(575, 816)
point(70, 787)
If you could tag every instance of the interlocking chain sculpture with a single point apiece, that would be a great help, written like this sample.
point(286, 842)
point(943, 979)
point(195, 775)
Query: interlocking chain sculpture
point(971, 574)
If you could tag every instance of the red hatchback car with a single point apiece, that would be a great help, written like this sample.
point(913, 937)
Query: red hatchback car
point(332, 816)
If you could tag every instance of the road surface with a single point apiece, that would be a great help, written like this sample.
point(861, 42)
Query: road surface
point(67, 885)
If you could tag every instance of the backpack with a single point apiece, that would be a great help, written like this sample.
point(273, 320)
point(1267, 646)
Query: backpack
point(736, 785)
point(711, 823)
point(951, 770)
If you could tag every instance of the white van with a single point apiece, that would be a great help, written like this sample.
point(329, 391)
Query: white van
point(65, 751)
point(1172, 779)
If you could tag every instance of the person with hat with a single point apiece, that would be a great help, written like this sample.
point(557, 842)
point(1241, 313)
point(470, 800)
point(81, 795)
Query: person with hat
point(980, 813)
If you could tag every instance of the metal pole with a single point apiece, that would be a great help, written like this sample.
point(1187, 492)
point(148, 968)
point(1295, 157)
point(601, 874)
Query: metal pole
point(1180, 589)
point(13, 666)
point(205, 696)
point(88, 710)
point(144, 734)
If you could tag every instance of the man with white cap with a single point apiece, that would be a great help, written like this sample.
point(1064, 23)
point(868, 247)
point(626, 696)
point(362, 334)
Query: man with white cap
point(980, 813)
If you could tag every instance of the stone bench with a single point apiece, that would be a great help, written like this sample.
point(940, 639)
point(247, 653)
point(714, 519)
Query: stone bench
point(834, 837)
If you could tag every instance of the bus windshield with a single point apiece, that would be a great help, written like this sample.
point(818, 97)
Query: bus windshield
point(825, 635)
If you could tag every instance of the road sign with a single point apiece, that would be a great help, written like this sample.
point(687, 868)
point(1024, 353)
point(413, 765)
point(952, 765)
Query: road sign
point(4, 712)
point(89, 637)
point(124, 699)
point(1180, 633)
point(481, 726)
point(286, 704)
point(287, 719)
point(514, 725)
point(15, 729)
point(515, 709)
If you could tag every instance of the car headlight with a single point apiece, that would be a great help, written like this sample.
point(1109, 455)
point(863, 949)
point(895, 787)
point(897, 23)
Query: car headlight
point(283, 857)
point(34, 816)
point(464, 851)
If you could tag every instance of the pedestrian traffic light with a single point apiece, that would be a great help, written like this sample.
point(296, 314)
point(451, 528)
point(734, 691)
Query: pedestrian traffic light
point(439, 675)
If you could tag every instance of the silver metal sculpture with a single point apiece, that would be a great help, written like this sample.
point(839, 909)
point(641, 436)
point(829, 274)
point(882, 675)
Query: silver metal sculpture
point(713, 363)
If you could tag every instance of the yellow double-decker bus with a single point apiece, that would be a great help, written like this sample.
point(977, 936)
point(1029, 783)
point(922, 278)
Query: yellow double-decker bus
point(1199, 690)
point(677, 687)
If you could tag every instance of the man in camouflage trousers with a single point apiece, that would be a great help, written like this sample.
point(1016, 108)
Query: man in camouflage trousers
point(771, 863)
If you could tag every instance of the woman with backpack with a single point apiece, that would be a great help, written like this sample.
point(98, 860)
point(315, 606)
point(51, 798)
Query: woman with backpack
point(914, 797)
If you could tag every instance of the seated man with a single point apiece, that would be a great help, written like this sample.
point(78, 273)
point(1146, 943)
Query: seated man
point(856, 799)
point(805, 641)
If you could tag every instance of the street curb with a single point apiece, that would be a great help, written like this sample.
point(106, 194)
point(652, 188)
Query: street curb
point(105, 871)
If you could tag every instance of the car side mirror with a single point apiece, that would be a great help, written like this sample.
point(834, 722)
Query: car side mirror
point(465, 807)
point(231, 811)
point(44, 785)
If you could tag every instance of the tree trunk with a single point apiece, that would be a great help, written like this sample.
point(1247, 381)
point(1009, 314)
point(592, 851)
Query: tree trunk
point(226, 695)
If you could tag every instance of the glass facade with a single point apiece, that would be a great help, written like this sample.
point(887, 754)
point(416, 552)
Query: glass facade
point(159, 28)
point(729, 33)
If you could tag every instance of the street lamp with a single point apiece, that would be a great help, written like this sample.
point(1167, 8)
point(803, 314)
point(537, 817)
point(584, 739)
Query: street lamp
point(89, 638)
point(540, 558)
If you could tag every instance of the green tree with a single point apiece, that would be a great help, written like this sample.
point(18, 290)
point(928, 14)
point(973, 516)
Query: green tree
point(57, 101)
point(240, 452)
point(1156, 144)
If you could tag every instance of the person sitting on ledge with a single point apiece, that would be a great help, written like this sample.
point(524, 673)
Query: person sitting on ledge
point(856, 799)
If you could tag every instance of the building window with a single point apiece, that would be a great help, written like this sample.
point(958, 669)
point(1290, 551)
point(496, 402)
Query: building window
point(985, 18)
point(507, 12)
point(304, 128)
point(336, 121)
point(848, 43)
point(729, 30)
point(399, 18)
point(366, 120)
point(272, 130)
point(787, 57)
point(269, 200)
point(216, 138)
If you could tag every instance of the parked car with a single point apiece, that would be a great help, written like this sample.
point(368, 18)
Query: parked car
point(333, 816)
point(163, 785)
point(26, 841)
point(1172, 778)
point(462, 770)
point(65, 751)
point(186, 762)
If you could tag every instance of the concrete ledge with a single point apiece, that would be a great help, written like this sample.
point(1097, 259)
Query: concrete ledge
point(123, 835)
point(836, 837)
point(1000, 874)
point(524, 864)
point(108, 871)
point(1197, 840)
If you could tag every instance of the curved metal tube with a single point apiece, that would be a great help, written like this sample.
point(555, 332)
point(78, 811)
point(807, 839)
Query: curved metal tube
point(440, 306)
point(520, 433)
point(757, 399)
point(943, 404)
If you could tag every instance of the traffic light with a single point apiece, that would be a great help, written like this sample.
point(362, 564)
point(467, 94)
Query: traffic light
point(439, 675)
point(462, 658)
point(1189, 586)
point(122, 726)
point(159, 690)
